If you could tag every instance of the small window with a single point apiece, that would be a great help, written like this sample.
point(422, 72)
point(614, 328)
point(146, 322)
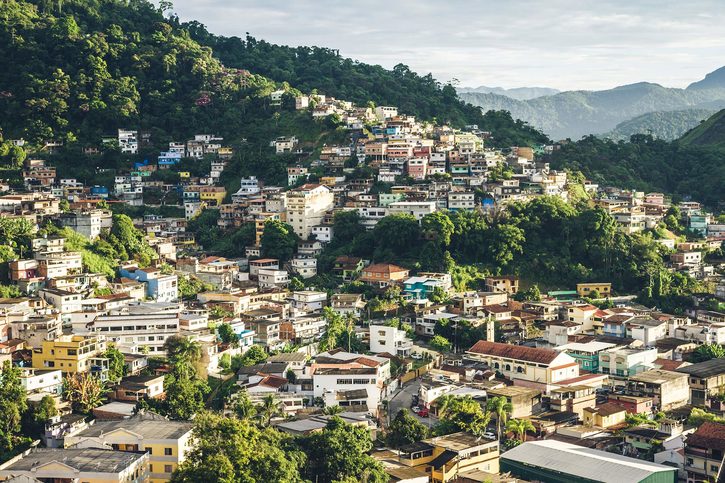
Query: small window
point(168, 469)
point(168, 451)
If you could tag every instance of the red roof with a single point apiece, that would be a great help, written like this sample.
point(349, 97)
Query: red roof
point(709, 435)
point(384, 268)
point(518, 352)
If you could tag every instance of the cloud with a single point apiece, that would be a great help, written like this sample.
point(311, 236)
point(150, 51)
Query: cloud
point(567, 44)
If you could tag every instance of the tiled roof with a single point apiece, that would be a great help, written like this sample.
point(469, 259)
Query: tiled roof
point(518, 352)
point(709, 435)
point(384, 268)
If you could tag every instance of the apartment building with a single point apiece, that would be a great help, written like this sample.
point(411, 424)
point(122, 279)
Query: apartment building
point(392, 340)
point(69, 353)
point(135, 332)
point(165, 442)
point(306, 207)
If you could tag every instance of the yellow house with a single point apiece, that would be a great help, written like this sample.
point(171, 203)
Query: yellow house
point(166, 442)
point(212, 195)
point(69, 353)
point(184, 174)
point(585, 289)
point(607, 415)
point(87, 465)
point(444, 457)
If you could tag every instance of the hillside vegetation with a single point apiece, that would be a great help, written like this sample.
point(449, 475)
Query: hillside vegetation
point(709, 133)
point(667, 125)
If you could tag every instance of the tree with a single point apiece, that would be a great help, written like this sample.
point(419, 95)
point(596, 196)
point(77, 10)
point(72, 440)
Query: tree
point(84, 391)
point(270, 408)
point(340, 453)
point(227, 334)
point(13, 402)
point(340, 332)
point(705, 352)
point(532, 294)
point(230, 450)
point(278, 240)
point(38, 416)
point(519, 427)
point(461, 414)
point(243, 406)
point(439, 296)
point(116, 363)
point(440, 343)
point(184, 396)
point(332, 410)
point(396, 235)
point(346, 227)
point(501, 408)
point(405, 429)
point(439, 227)
point(254, 355)
point(183, 355)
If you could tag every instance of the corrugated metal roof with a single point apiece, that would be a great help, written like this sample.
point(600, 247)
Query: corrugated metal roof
point(583, 462)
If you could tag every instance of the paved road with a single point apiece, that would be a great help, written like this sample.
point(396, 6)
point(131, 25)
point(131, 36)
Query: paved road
point(403, 399)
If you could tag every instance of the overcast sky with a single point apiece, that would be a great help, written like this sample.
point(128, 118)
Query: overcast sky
point(566, 44)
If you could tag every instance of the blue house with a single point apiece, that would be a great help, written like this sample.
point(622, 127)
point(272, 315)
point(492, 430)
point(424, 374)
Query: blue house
point(421, 287)
point(159, 287)
point(100, 191)
point(168, 159)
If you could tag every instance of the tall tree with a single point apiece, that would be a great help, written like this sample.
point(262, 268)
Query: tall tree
point(13, 402)
point(519, 427)
point(278, 240)
point(340, 453)
point(501, 408)
point(405, 429)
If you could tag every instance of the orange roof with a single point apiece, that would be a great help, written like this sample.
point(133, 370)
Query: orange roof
point(384, 268)
point(518, 352)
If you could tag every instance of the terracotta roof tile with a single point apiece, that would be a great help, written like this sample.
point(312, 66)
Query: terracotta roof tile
point(709, 435)
point(531, 354)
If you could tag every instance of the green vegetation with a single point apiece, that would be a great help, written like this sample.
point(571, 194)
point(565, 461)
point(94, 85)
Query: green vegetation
point(14, 402)
point(84, 391)
point(461, 414)
point(278, 240)
point(667, 125)
point(683, 168)
point(711, 132)
point(705, 352)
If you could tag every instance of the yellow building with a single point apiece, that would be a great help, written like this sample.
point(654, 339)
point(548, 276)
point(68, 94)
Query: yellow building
point(603, 288)
point(184, 174)
point(166, 442)
point(444, 457)
point(69, 353)
point(87, 465)
point(212, 195)
point(607, 415)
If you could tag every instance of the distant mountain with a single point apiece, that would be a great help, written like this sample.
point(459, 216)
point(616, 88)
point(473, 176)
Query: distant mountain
point(713, 80)
point(573, 114)
point(518, 93)
point(710, 133)
point(667, 125)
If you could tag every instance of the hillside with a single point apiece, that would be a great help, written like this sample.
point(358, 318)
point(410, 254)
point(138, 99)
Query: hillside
point(710, 133)
point(667, 125)
point(574, 114)
point(324, 70)
point(648, 164)
point(519, 93)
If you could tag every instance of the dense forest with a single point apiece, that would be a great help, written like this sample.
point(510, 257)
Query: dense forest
point(324, 70)
point(648, 164)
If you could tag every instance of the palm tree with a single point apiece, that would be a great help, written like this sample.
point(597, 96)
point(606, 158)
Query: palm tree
point(183, 354)
point(501, 408)
point(519, 427)
point(269, 408)
point(244, 407)
point(332, 410)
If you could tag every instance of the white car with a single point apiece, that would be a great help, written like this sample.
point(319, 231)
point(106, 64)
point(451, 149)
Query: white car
point(415, 355)
point(489, 435)
point(415, 409)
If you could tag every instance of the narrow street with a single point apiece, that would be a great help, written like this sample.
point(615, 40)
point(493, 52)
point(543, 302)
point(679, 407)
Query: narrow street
point(403, 400)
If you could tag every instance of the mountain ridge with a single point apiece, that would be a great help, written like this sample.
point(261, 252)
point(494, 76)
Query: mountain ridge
point(519, 93)
point(573, 114)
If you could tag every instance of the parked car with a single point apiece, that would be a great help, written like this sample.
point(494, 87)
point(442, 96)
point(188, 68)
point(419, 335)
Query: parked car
point(416, 409)
point(416, 356)
point(489, 435)
point(423, 413)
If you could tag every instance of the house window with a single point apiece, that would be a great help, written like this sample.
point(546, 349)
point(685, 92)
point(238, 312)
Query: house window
point(168, 469)
point(168, 451)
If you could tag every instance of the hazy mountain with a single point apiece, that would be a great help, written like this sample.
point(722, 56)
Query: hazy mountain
point(709, 133)
point(519, 93)
point(667, 125)
point(573, 114)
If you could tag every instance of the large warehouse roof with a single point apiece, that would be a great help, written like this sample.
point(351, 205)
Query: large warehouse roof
point(582, 462)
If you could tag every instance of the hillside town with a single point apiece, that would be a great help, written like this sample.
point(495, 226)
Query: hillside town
point(563, 385)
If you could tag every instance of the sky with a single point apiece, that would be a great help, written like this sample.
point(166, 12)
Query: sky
point(564, 44)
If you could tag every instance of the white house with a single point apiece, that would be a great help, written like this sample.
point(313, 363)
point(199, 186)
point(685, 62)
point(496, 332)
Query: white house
point(389, 339)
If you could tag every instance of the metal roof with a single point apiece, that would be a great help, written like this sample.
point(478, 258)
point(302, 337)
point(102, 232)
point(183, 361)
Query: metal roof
point(583, 462)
